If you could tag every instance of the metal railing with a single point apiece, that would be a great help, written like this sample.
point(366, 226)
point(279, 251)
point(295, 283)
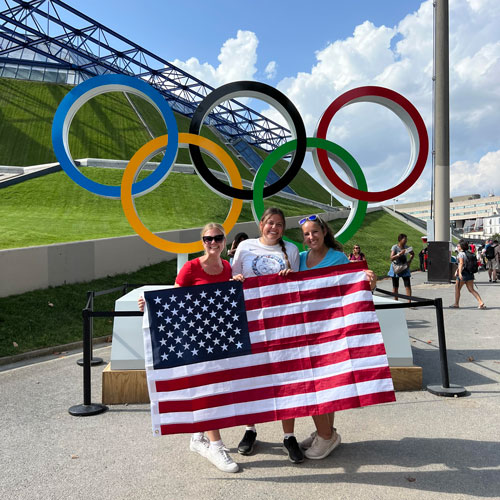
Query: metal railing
point(88, 408)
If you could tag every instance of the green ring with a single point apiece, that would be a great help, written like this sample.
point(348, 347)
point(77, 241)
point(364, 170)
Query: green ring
point(348, 230)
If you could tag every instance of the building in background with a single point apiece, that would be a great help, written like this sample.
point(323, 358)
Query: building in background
point(470, 215)
point(491, 226)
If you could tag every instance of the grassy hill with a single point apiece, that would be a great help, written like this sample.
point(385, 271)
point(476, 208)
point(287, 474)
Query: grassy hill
point(105, 127)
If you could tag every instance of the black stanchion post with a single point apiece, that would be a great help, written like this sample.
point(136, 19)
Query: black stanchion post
point(87, 408)
point(93, 361)
point(446, 389)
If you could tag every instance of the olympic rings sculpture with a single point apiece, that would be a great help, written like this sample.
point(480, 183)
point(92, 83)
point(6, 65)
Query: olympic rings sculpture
point(322, 150)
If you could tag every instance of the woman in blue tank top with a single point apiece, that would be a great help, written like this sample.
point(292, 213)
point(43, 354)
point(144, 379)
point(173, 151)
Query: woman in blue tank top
point(323, 251)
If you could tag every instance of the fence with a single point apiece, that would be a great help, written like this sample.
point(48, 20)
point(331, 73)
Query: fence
point(88, 408)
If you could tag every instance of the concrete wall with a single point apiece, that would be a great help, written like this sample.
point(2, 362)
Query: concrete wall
point(33, 268)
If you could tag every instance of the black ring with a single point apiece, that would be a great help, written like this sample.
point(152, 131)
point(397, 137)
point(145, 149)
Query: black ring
point(216, 97)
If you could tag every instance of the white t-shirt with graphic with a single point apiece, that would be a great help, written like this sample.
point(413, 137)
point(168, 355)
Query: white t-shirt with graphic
point(252, 258)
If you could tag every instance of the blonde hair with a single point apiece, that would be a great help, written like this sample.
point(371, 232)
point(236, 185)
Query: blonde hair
point(269, 212)
point(212, 225)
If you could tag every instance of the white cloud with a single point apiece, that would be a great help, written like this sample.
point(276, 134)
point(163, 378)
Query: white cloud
point(270, 70)
point(400, 58)
point(237, 61)
point(476, 177)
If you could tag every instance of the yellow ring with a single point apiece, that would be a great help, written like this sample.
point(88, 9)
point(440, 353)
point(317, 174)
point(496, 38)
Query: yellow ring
point(149, 149)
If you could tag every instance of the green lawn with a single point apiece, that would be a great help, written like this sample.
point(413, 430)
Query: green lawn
point(53, 209)
point(50, 317)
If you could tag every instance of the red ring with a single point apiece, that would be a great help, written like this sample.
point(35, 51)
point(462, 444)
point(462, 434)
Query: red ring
point(405, 184)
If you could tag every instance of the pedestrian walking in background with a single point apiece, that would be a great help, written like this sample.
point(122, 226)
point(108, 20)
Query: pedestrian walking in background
point(400, 264)
point(465, 275)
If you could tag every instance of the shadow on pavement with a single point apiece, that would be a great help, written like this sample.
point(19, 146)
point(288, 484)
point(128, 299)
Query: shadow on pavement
point(458, 360)
point(470, 462)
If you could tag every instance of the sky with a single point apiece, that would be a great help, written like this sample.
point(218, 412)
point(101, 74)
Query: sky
point(315, 51)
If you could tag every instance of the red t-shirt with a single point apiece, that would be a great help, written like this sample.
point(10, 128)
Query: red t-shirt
point(193, 274)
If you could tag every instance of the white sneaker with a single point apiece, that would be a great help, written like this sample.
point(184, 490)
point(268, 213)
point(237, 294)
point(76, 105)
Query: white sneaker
point(321, 448)
point(220, 458)
point(308, 441)
point(199, 444)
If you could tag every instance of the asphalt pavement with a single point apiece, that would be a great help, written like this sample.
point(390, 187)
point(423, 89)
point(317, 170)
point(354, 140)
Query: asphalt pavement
point(421, 446)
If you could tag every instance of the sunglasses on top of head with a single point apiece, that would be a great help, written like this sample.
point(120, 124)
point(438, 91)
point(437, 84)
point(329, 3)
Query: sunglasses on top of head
point(305, 219)
point(209, 239)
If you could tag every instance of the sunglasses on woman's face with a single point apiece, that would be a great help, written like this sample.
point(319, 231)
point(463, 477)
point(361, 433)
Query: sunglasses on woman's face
point(209, 239)
point(305, 219)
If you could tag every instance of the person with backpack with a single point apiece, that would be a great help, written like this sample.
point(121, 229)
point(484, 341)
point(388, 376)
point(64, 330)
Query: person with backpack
point(491, 262)
point(467, 267)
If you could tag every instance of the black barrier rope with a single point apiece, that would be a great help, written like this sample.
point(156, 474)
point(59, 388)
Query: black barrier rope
point(90, 305)
point(88, 408)
point(445, 389)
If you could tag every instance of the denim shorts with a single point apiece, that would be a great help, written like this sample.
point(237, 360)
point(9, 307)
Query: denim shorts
point(466, 276)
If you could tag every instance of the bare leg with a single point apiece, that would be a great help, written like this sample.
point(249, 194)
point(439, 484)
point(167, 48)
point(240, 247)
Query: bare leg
point(408, 292)
point(470, 287)
point(395, 290)
point(213, 436)
point(331, 418)
point(458, 286)
point(288, 425)
point(323, 425)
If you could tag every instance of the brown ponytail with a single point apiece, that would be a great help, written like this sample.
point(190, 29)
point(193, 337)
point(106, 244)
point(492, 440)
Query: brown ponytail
point(283, 248)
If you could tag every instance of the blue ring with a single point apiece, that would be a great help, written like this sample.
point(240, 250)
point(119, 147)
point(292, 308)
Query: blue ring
point(77, 97)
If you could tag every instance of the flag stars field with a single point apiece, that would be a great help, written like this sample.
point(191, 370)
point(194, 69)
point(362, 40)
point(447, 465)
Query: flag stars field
point(203, 316)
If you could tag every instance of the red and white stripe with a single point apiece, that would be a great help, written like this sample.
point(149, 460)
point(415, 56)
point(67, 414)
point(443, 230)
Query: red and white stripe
point(316, 348)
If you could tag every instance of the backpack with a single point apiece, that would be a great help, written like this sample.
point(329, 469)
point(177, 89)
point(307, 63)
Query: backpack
point(471, 263)
point(490, 252)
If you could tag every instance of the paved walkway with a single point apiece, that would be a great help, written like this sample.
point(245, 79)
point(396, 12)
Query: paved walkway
point(421, 446)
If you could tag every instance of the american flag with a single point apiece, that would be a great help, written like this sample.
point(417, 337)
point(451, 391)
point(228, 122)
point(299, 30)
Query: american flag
point(272, 348)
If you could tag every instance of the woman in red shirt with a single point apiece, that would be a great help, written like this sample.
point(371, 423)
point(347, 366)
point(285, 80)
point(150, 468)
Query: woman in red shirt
point(209, 268)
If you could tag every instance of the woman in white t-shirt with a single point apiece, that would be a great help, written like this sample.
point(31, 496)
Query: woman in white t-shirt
point(268, 254)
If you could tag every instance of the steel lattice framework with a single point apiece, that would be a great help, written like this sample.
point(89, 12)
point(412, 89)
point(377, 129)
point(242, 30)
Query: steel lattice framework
point(56, 35)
